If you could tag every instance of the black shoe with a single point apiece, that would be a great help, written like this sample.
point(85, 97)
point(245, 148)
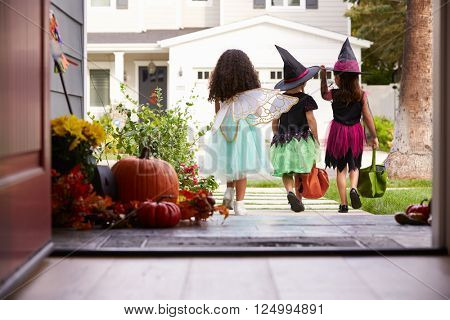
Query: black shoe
point(355, 200)
point(296, 204)
point(343, 208)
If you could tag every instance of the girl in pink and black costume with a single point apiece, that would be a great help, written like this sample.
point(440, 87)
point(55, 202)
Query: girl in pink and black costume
point(346, 136)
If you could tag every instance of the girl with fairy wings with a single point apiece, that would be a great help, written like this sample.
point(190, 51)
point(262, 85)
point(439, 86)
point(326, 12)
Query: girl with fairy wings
point(236, 148)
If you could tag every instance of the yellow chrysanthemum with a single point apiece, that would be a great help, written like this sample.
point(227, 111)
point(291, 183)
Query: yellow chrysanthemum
point(94, 132)
point(58, 126)
point(74, 144)
point(74, 127)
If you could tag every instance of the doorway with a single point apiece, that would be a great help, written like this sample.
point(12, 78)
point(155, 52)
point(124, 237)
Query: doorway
point(149, 82)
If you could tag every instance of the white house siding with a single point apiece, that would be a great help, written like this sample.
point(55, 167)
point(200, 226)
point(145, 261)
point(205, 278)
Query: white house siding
point(203, 54)
point(141, 15)
point(200, 16)
point(329, 16)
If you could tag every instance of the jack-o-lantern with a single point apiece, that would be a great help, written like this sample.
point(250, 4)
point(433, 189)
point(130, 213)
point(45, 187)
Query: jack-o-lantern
point(145, 178)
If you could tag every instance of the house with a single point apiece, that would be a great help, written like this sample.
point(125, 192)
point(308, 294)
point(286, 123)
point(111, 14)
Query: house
point(182, 40)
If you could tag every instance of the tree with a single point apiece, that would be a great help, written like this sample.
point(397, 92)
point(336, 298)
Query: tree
point(383, 23)
point(411, 154)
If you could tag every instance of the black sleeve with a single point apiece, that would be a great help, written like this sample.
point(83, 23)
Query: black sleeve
point(310, 104)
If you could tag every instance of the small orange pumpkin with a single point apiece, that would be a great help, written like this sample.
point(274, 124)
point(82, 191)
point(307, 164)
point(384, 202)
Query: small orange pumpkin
point(145, 179)
point(158, 215)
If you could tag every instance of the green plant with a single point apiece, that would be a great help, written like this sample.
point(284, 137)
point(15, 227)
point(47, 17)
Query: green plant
point(165, 132)
point(191, 181)
point(385, 132)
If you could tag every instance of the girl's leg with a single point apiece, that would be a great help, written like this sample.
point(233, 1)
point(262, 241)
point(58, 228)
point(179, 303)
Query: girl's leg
point(228, 197)
point(354, 196)
point(296, 204)
point(241, 185)
point(288, 182)
point(354, 176)
point(298, 182)
point(341, 179)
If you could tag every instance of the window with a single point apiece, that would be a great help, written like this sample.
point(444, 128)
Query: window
point(99, 87)
point(276, 75)
point(312, 4)
point(259, 4)
point(329, 75)
point(286, 3)
point(203, 75)
point(100, 3)
point(122, 4)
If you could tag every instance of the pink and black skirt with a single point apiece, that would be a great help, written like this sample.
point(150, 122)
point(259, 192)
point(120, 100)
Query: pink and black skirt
point(344, 146)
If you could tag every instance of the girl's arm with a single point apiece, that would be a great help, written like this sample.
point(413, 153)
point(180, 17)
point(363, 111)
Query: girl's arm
point(275, 126)
point(217, 106)
point(326, 94)
point(312, 125)
point(368, 120)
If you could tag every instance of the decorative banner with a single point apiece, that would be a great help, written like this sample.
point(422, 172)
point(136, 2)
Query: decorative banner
point(61, 61)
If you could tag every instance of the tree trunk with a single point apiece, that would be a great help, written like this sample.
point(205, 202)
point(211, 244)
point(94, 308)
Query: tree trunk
point(411, 154)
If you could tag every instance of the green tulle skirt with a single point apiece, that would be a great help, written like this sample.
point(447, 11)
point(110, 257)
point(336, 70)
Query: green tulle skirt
point(295, 156)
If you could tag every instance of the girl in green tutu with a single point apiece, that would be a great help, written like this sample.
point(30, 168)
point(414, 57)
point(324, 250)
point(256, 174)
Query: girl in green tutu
point(295, 145)
point(236, 146)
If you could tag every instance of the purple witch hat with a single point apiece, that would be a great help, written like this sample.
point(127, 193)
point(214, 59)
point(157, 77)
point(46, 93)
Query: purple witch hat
point(347, 61)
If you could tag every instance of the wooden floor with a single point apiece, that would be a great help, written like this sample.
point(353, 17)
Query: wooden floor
point(240, 278)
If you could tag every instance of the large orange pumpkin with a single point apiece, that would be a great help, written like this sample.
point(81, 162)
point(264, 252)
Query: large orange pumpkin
point(145, 179)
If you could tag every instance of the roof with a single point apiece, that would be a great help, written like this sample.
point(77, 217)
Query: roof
point(149, 36)
point(261, 20)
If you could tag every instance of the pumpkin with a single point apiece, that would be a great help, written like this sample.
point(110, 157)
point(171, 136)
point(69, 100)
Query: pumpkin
point(142, 179)
point(158, 215)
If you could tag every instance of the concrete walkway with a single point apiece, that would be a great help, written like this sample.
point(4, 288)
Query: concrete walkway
point(273, 201)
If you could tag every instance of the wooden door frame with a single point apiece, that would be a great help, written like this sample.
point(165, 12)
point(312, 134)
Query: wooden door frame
point(45, 157)
point(441, 129)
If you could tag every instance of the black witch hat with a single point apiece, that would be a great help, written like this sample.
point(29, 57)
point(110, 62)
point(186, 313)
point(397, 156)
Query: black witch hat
point(294, 72)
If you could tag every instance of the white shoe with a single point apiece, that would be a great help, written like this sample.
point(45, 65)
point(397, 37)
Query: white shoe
point(239, 208)
point(228, 198)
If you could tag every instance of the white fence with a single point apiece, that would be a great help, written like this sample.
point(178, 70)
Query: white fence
point(383, 100)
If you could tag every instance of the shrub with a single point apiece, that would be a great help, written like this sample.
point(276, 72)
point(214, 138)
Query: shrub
point(385, 132)
point(165, 132)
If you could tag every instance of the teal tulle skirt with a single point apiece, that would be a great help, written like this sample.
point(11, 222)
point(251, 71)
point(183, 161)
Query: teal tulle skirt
point(294, 156)
point(235, 151)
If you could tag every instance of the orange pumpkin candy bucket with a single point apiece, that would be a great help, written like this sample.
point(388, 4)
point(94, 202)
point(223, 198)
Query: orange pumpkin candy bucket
point(313, 185)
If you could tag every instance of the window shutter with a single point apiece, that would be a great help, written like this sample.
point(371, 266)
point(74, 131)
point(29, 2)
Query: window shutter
point(99, 91)
point(312, 4)
point(259, 4)
point(122, 4)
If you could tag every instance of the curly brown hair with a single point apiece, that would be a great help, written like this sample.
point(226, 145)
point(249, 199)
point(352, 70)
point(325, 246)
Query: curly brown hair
point(234, 73)
point(349, 88)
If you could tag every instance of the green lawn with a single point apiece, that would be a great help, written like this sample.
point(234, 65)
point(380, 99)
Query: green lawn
point(265, 183)
point(393, 200)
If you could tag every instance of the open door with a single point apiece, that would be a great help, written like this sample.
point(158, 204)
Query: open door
point(25, 194)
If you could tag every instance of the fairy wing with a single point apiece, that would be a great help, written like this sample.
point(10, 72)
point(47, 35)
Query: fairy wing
point(257, 106)
point(261, 105)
